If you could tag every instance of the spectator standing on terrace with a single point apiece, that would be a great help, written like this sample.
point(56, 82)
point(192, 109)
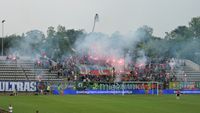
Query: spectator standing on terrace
point(10, 108)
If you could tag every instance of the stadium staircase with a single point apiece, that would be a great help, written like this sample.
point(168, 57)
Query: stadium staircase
point(25, 70)
point(188, 72)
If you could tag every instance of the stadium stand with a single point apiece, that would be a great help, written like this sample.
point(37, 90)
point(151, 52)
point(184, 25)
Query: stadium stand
point(24, 70)
point(188, 72)
point(19, 69)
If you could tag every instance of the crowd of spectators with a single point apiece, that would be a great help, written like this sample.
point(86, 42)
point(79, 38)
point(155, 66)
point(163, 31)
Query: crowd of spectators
point(162, 69)
point(154, 71)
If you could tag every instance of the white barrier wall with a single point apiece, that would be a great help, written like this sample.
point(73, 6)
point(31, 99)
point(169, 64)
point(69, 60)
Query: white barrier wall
point(193, 65)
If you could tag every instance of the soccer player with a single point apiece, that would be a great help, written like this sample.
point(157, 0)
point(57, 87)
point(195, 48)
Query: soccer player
point(10, 108)
point(178, 93)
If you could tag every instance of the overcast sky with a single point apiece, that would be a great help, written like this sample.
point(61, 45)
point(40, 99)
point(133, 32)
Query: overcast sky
point(115, 15)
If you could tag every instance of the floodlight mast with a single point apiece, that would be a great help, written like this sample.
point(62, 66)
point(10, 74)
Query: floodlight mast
point(3, 21)
point(96, 19)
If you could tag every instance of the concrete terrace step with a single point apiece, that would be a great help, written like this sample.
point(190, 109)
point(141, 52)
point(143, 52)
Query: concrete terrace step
point(23, 69)
point(187, 74)
point(3, 63)
point(28, 76)
point(24, 79)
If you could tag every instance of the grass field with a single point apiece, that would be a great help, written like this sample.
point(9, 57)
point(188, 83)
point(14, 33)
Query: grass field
point(102, 104)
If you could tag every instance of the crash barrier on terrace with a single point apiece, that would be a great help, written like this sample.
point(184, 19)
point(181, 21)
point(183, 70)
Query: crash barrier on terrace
point(61, 87)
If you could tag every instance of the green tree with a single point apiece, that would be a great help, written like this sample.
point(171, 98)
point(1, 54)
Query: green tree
point(181, 33)
point(50, 32)
point(194, 25)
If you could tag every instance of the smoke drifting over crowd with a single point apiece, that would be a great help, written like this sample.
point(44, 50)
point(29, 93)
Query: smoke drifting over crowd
point(28, 46)
point(115, 49)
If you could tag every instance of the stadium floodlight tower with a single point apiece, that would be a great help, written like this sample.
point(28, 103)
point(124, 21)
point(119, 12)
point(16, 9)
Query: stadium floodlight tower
point(96, 19)
point(3, 21)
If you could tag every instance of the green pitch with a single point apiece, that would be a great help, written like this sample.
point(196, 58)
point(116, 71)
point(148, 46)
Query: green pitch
point(102, 104)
